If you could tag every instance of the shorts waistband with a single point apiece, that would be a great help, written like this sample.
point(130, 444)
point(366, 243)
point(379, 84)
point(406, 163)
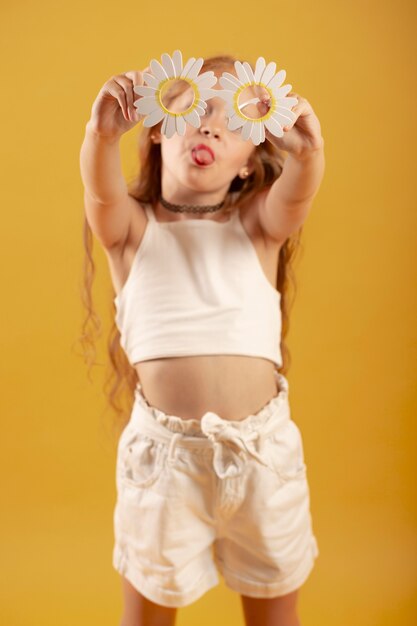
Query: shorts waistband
point(213, 431)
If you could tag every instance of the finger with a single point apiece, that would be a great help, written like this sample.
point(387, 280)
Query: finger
point(298, 110)
point(263, 107)
point(136, 77)
point(127, 86)
point(262, 93)
point(117, 91)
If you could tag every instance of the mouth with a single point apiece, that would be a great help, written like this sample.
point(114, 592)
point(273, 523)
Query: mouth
point(202, 155)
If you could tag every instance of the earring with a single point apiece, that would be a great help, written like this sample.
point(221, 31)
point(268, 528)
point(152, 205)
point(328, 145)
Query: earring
point(245, 174)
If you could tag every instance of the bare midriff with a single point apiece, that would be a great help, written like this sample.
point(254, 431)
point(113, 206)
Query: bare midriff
point(233, 386)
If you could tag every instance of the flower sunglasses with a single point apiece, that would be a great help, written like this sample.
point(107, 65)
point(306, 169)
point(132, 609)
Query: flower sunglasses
point(264, 78)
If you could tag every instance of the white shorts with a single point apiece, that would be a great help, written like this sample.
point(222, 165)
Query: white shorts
point(197, 498)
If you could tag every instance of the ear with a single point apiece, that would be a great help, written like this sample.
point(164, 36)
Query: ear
point(250, 166)
point(155, 137)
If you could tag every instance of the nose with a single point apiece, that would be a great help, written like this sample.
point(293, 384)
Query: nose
point(213, 121)
point(206, 130)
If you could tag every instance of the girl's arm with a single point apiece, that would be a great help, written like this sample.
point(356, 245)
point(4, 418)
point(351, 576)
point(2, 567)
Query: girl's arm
point(106, 198)
point(101, 169)
point(286, 204)
point(108, 205)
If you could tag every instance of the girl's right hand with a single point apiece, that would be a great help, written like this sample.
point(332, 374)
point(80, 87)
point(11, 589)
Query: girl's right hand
point(113, 113)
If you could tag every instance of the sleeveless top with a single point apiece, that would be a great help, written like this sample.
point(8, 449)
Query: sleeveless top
point(197, 287)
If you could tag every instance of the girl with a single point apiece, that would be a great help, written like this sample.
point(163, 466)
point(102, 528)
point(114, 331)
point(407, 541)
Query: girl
point(210, 468)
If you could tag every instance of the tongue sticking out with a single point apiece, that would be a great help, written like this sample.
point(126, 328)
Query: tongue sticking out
point(202, 156)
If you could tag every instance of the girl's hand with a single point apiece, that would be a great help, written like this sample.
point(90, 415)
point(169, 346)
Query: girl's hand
point(113, 112)
point(301, 136)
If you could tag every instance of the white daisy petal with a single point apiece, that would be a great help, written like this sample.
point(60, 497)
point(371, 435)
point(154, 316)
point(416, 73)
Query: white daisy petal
point(259, 68)
point(249, 71)
point(206, 80)
point(241, 72)
point(227, 84)
point(177, 62)
point(200, 110)
point(142, 90)
point(274, 127)
point(193, 118)
point(146, 105)
point(277, 80)
point(287, 102)
point(235, 82)
point(252, 135)
point(196, 67)
point(268, 72)
point(157, 70)
point(180, 124)
point(168, 65)
point(154, 117)
point(211, 93)
point(281, 117)
point(286, 113)
point(164, 124)
point(247, 130)
point(256, 133)
point(282, 91)
point(170, 126)
point(227, 95)
point(151, 80)
point(206, 94)
point(187, 67)
point(235, 122)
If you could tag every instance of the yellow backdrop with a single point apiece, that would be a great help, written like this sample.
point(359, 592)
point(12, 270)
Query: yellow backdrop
point(353, 330)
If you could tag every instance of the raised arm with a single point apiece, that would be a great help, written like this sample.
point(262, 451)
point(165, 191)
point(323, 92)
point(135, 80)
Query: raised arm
point(284, 206)
point(108, 205)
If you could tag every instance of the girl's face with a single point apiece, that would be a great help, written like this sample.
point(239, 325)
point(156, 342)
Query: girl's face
point(232, 154)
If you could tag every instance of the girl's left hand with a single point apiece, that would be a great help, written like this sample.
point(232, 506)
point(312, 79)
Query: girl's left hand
point(301, 136)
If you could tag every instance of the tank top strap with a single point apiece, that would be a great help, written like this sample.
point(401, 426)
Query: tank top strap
point(149, 211)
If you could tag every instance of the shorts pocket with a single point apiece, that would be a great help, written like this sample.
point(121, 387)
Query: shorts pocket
point(139, 460)
point(285, 452)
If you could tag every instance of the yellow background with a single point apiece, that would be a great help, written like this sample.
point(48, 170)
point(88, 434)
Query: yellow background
point(353, 330)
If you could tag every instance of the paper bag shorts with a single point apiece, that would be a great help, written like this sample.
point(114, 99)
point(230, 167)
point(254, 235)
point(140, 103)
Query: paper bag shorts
point(198, 498)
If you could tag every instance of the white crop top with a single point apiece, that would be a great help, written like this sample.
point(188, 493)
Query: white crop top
point(197, 287)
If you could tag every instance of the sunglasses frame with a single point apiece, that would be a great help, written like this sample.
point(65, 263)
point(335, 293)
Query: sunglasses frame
point(264, 79)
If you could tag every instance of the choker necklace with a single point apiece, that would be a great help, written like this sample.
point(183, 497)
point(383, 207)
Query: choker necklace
point(190, 208)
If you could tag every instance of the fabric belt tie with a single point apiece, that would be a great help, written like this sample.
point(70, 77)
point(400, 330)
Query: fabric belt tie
point(230, 445)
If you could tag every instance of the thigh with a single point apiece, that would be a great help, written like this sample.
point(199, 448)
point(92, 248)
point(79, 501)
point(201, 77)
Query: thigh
point(139, 611)
point(281, 610)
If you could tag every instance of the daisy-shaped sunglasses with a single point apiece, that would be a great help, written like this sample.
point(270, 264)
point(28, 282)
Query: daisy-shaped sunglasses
point(178, 95)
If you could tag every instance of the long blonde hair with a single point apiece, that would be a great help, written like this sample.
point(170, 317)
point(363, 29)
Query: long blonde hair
point(268, 162)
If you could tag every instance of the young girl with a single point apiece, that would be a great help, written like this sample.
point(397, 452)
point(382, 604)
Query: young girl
point(210, 468)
